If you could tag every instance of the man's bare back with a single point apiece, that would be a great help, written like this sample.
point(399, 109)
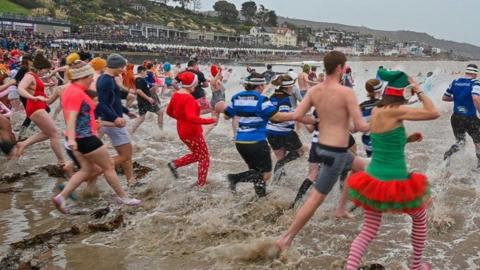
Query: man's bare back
point(336, 106)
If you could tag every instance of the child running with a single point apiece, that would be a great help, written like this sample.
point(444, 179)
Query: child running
point(186, 110)
point(374, 89)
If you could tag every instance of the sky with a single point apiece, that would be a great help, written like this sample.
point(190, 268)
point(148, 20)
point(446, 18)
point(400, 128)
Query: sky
point(456, 20)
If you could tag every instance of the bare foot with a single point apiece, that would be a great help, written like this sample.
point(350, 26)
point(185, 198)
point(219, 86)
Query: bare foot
point(342, 214)
point(283, 244)
point(20, 149)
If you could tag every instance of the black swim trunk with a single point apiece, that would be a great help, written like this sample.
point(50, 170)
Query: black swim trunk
point(290, 142)
point(335, 161)
point(313, 157)
point(465, 124)
point(88, 144)
point(144, 108)
point(256, 155)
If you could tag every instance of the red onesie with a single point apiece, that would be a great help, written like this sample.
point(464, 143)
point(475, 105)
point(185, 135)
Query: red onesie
point(185, 109)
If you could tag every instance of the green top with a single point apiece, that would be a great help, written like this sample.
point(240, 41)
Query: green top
point(388, 160)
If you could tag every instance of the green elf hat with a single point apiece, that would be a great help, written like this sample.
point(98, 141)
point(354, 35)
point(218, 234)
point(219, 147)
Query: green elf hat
point(398, 84)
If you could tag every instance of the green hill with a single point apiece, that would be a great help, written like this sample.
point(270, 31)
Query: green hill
point(96, 12)
point(8, 6)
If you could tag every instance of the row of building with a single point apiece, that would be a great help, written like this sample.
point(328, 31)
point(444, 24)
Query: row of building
point(351, 43)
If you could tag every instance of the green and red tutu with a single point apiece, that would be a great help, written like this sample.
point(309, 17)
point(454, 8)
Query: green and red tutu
point(397, 196)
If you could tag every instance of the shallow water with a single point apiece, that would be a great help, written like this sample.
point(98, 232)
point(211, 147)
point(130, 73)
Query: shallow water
point(180, 227)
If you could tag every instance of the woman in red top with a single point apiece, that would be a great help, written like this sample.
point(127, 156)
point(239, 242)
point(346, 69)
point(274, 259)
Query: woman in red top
point(186, 110)
point(32, 88)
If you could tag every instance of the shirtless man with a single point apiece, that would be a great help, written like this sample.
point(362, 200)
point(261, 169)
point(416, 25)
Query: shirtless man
point(304, 83)
point(336, 106)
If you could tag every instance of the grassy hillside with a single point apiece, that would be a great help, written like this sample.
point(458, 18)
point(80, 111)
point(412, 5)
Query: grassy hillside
point(8, 6)
point(85, 12)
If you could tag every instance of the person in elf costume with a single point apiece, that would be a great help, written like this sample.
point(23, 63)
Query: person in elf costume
point(387, 186)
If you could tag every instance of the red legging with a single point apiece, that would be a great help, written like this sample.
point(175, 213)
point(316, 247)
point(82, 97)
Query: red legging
point(370, 229)
point(199, 154)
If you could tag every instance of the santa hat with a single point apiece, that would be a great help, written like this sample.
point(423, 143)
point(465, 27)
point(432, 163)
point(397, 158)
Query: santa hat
point(398, 84)
point(215, 70)
point(188, 79)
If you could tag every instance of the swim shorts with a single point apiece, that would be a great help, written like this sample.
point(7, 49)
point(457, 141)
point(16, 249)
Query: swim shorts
point(334, 160)
point(256, 155)
point(290, 142)
point(118, 136)
point(465, 124)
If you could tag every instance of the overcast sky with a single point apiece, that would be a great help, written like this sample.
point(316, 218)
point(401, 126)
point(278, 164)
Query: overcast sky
point(456, 20)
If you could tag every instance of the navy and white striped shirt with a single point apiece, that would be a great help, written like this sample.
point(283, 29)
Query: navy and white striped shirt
point(462, 90)
point(253, 111)
point(283, 104)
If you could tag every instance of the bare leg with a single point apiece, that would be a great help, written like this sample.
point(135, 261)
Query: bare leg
point(315, 199)
point(101, 158)
point(79, 176)
point(48, 130)
point(136, 123)
point(124, 159)
point(160, 119)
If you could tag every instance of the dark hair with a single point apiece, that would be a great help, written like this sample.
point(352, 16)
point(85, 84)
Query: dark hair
point(332, 60)
point(269, 66)
point(191, 63)
point(141, 69)
point(392, 101)
point(253, 75)
point(149, 65)
point(313, 69)
point(472, 66)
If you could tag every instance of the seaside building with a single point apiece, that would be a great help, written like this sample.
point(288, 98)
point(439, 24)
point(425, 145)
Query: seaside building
point(276, 36)
point(45, 25)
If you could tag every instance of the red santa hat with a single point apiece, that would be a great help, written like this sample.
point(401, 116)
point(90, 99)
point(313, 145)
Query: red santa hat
point(188, 79)
point(215, 70)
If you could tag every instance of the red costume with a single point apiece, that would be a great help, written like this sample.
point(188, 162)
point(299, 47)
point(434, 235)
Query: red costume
point(33, 105)
point(185, 109)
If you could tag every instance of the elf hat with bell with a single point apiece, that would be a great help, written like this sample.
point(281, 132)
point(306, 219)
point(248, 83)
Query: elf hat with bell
point(398, 84)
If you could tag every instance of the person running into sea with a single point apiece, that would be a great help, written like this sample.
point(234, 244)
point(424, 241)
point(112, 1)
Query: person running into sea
point(146, 100)
point(465, 94)
point(334, 136)
point(374, 89)
point(110, 109)
point(387, 186)
point(82, 138)
point(218, 94)
point(33, 88)
point(184, 108)
point(281, 136)
point(254, 111)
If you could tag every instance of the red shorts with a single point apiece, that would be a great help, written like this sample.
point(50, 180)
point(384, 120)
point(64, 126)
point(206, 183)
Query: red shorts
point(33, 106)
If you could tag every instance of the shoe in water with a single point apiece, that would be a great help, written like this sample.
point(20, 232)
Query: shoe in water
point(59, 203)
point(173, 170)
point(129, 201)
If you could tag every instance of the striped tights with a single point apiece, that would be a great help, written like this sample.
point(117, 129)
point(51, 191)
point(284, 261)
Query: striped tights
point(372, 221)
